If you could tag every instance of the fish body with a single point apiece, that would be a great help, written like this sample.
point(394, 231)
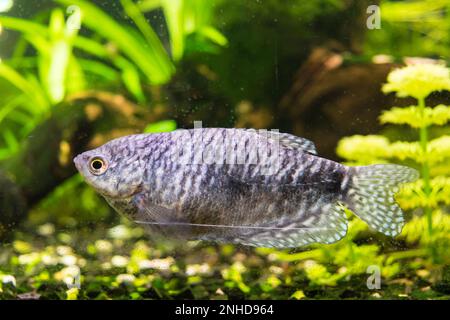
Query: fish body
point(242, 186)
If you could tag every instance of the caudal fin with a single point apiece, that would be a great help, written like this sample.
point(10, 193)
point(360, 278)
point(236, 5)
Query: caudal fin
point(371, 195)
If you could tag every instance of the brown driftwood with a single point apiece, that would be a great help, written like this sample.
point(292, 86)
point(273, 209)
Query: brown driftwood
point(330, 99)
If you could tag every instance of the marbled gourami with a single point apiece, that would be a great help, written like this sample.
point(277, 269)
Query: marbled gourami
point(244, 186)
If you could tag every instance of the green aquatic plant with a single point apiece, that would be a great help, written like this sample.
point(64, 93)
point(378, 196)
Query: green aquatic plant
point(120, 57)
point(55, 74)
point(189, 23)
point(432, 191)
point(141, 47)
point(412, 28)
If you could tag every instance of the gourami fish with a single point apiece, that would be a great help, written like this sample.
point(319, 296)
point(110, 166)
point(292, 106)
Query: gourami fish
point(256, 188)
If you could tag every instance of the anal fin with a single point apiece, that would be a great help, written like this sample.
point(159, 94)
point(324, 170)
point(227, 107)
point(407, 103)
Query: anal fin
point(329, 226)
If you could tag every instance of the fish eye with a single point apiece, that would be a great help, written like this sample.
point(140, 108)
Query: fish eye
point(97, 166)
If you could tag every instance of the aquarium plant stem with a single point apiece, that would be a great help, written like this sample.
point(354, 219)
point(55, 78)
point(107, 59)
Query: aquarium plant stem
point(425, 165)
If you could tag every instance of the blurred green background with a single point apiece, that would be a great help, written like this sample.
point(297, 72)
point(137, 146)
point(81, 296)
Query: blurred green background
point(75, 74)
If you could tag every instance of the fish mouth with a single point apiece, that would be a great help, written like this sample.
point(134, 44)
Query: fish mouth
point(77, 161)
point(80, 160)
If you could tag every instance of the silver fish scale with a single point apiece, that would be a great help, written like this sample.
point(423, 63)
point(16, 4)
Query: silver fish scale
point(230, 194)
point(241, 186)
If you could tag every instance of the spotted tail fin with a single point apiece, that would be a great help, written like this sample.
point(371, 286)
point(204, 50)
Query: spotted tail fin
point(371, 193)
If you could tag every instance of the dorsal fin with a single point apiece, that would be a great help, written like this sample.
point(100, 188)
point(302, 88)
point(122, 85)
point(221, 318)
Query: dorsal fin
point(290, 141)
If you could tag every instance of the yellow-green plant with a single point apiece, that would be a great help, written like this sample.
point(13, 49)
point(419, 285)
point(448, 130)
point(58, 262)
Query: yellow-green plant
point(432, 156)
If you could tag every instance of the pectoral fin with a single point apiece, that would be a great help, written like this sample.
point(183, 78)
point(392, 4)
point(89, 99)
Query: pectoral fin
point(161, 221)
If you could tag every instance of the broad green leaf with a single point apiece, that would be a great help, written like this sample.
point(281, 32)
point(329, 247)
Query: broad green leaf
point(187, 17)
point(58, 58)
point(214, 35)
point(144, 27)
point(75, 80)
point(90, 46)
point(412, 10)
point(174, 14)
point(10, 140)
point(10, 106)
point(27, 87)
point(151, 59)
point(161, 126)
point(23, 25)
point(149, 5)
point(54, 47)
point(99, 69)
point(131, 79)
